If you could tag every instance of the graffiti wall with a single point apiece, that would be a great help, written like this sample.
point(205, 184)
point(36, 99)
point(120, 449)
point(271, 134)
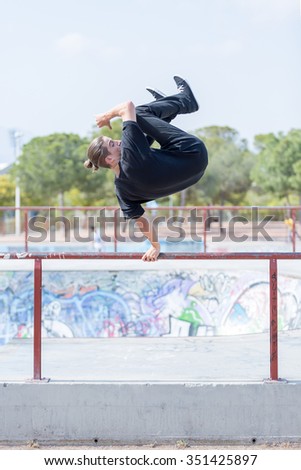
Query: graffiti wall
point(145, 303)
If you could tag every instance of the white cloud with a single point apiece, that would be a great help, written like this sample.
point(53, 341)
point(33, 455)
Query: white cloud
point(269, 10)
point(73, 44)
point(103, 50)
point(228, 48)
point(223, 49)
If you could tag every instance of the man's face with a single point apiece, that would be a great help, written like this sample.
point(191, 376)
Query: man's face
point(113, 147)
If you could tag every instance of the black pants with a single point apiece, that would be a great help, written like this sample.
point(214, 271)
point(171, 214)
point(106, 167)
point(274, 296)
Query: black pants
point(154, 120)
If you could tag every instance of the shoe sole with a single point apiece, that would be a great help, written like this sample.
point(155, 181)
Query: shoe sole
point(178, 79)
point(155, 91)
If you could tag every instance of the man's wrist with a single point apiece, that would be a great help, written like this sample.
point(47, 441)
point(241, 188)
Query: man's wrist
point(108, 116)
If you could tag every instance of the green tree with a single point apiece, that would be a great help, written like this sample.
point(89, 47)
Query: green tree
point(278, 164)
point(49, 166)
point(227, 177)
point(7, 196)
point(296, 177)
point(7, 191)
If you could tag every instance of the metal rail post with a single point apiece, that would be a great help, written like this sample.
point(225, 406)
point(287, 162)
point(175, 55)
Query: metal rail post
point(37, 323)
point(26, 230)
point(294, 230)
point(273, 320)
point(115, 231)
point(205, 230)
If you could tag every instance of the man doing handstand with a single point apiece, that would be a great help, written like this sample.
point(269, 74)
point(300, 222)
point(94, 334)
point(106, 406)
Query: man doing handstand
point(143, 173)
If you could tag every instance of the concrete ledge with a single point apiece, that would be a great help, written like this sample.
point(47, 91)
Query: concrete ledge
point(125, 412)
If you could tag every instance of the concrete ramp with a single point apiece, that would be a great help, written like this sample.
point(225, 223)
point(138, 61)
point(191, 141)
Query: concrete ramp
point(142, 390)
point(151, 412)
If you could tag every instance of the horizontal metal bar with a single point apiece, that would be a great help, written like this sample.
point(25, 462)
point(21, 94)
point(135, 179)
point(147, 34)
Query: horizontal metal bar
point(89, 208)
point(165, 256)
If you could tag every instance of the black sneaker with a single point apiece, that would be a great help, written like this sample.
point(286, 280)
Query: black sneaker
point(184, 88)
point(157, 94)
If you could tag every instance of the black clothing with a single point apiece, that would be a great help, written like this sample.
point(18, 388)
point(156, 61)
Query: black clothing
point(147, 173)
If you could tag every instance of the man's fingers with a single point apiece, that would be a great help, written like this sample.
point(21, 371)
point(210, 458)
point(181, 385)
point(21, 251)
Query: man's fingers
point(150, 256)
point(146, 258)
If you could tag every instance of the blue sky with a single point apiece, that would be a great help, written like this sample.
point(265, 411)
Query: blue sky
point(64, 61)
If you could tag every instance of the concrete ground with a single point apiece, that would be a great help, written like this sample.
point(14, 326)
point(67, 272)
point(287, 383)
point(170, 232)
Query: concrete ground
point(222, 359)
point(177, 445)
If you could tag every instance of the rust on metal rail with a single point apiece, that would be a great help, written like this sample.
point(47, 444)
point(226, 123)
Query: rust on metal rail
point(167, 256)
point(37, 321)
point(273, 319)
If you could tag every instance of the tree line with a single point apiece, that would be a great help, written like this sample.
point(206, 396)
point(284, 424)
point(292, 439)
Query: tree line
point(50, 171)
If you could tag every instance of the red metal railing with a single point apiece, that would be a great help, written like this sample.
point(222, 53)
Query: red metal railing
point(273, 282)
